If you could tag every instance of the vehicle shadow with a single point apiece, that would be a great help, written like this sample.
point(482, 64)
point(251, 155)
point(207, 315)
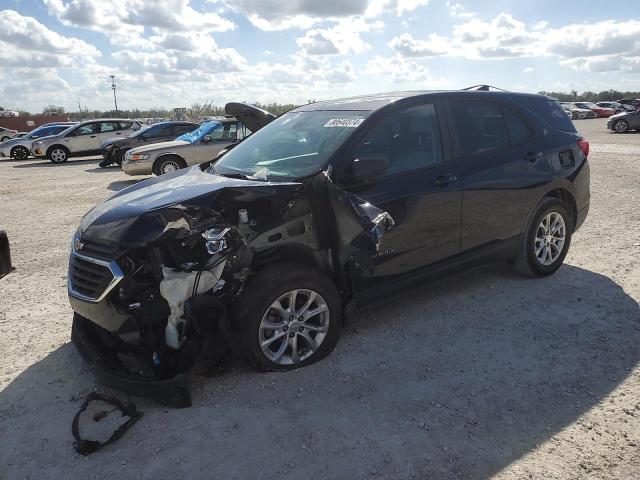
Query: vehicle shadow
point(44, 163)
point(454, 379)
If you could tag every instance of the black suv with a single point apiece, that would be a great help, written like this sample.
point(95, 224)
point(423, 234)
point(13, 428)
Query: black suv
point(266, 247)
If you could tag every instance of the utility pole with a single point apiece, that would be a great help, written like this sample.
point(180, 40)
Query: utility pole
point(113, 86)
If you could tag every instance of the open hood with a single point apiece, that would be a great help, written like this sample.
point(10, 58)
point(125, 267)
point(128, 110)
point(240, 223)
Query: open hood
point(252, 117)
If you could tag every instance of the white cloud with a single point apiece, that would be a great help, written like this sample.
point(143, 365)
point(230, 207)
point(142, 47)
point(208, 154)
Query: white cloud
point(343, 38)
point(398, 70)
point(273, 15)
point(128, 20)
point(598, 47)
point(457, 10)
point(528, 70)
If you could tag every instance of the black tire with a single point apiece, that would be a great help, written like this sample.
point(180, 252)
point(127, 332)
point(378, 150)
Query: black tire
point(262, 290)
point(161, 165)
point(527, 261)
point(620, 126)
point(20, 153)
point(58, 154)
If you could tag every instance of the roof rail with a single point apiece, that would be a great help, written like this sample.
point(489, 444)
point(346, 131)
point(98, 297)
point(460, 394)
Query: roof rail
point(484, 88)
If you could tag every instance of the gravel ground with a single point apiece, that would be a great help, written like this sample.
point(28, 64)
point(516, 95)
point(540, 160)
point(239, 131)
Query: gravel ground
point(482, 375)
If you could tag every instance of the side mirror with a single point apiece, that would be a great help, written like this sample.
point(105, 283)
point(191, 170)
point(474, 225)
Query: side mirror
point(369, 167)
point(206, 139)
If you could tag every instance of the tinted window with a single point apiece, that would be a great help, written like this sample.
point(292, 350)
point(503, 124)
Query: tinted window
point(481, 126)
point(181, 129)
point(518, 131)
point(409, 139)
point(550, 110)
point(125, 125)
point(156, 131)
point(230, 132)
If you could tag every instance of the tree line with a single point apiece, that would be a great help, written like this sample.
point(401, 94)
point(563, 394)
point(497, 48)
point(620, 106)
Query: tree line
point(588, 96)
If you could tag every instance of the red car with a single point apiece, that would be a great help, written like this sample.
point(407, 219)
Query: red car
point(602, 112)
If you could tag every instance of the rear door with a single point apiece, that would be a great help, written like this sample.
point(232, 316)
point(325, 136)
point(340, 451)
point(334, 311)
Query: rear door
point(421, 190)
point(109, 130)
point(504, 167)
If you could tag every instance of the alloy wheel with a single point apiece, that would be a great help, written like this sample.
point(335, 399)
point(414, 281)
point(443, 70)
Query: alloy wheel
point(294, 327)
point(20, 153)
point(550, 238)
point(620, 126)
point(58, 156)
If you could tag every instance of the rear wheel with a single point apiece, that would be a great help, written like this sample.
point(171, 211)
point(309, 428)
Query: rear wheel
point(19, 153)
point(289, 316)
point(545, 244)
point(58, 155)
point(621, 126)
point(168, 164)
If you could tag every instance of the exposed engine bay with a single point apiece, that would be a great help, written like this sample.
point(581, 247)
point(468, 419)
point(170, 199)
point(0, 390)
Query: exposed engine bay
point(176, 254)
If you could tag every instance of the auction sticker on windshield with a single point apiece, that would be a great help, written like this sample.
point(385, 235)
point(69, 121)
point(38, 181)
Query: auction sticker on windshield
point(344, 122)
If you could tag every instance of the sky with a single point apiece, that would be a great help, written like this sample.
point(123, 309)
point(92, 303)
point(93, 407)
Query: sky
point(173, 53)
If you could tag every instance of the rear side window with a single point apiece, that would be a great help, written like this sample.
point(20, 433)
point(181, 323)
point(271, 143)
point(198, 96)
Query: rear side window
point(182, 128)
point(481, 126)
point(125, 125)
point(518, 131)
point(549, 110)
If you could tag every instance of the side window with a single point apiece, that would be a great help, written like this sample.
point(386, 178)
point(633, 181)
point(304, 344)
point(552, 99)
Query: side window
point(181, 129)
point(106, 127)
point(481, 126)
point(216, 134)
point(124, 125)
point(159, 131)
point(87, 129)
point(518, 131)
point(408, 139)
point(230, 132)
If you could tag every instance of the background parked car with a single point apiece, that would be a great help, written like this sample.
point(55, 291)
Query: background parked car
point(199, 146)
point(576, 112)
point(623, 122)
point(19, 148)
point(6, 134)
point(83, 139)
point(113, 149)
point(8, 113)
point(601, 112)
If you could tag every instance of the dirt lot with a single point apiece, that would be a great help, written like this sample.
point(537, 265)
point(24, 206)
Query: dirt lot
point(483, 375)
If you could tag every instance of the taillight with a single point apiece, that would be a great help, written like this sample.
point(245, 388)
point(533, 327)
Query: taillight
point(584, 146)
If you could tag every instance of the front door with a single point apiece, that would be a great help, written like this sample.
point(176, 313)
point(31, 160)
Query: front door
point(218, 139)
point(421, 191)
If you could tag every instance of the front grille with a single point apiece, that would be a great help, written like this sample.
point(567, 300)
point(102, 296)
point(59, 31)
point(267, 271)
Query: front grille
point(89, 279)
point(98, 250)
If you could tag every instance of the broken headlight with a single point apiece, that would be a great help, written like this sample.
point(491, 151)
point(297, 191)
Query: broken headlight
point(216, 241)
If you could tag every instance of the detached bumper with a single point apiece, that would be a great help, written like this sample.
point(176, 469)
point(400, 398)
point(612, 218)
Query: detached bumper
point(96, 348)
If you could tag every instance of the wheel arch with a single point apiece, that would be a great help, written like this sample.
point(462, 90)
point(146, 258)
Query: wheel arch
point(566, 197)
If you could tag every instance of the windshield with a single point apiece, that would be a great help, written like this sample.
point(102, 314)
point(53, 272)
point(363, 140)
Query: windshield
point(201, 131)
point(294, 145)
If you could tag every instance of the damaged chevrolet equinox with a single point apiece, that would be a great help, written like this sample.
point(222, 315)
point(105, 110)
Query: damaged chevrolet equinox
point(266, 248)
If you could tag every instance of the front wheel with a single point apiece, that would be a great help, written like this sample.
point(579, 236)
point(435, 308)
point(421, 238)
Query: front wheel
point(546, 241)
point(289, 316)
point(58, 155)
point(168, 165)
point(621, 126)
point(20, 153)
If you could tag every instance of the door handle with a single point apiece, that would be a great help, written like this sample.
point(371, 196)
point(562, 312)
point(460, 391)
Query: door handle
point(444, 180)
point(93, 136)
point(533, 156)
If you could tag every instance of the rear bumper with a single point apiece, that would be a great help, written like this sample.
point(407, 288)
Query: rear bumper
point(96, 346)
point(582, 216)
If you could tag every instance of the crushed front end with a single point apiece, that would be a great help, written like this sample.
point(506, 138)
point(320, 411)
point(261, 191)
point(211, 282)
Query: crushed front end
point(155, 269)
